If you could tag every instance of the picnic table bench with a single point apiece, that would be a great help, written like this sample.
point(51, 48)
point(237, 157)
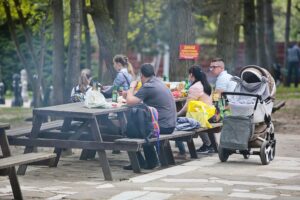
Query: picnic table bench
point(9, 161)
point(278, 105)
point(165, 153)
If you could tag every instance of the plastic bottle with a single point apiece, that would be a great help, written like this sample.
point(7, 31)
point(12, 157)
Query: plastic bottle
point(120, 91)
point(114, 96)
point(187, 85)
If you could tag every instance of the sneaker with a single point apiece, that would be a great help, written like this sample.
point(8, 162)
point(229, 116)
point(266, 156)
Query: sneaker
point(203, 149)
point(127, 167)
point(211, 149)
point(180, 156)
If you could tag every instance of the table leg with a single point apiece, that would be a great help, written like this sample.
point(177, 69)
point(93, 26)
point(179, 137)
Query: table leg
point(66, 126)
point(36, 126)
point(101, 153)
point(14, 182)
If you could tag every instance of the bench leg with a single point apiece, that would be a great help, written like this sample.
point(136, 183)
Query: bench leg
point(134, 161)
point(87, 154)
point(15, 186)
point(105, 165)
point(58, 154)
point(22, 168)
point(169, 153)
point(213, 141)
point(192, 148)
point(163, 158)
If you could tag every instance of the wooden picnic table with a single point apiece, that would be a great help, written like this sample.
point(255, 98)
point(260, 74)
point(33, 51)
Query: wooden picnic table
point(69, 112)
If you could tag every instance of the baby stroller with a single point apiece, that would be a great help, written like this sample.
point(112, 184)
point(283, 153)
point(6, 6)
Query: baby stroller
point(249, 130)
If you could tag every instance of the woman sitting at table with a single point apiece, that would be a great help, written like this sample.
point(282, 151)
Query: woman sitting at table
point(200, 90)
point(78, 92)
point(124, 76)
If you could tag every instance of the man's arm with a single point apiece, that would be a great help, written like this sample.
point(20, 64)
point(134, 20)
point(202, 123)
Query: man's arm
point(131, 99)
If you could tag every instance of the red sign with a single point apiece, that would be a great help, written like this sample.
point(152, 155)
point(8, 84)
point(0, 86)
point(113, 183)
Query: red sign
point(189, 52)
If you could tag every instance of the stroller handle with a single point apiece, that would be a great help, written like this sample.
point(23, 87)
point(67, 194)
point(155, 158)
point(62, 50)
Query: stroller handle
point(258, 97)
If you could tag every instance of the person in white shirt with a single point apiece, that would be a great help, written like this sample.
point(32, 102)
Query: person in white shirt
point(223, 82)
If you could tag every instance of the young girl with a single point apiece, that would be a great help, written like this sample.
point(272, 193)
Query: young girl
point(78, 92)
point(124, 76)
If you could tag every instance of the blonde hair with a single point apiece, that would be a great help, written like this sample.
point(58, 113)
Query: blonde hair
point(123, 60)
point(84, 79)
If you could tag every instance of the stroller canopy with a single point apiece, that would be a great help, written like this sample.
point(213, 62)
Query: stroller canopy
point(255, 80)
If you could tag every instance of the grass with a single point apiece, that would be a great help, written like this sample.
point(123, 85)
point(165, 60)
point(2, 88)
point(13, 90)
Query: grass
point(287, 92)
point(15, 116)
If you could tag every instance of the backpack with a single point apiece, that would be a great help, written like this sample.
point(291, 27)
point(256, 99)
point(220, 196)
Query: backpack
point(142, 122)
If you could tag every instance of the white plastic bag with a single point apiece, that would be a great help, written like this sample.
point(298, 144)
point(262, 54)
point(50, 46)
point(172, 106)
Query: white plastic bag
point(94, 99)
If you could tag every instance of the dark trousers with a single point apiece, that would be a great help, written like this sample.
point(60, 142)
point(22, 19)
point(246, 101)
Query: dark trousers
point(293, 67)
point(150, 153)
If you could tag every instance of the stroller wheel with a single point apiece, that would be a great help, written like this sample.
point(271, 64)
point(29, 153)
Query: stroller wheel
point(266, 153)
point(223, 154)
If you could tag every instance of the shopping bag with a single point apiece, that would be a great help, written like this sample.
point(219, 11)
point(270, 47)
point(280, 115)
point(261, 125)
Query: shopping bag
point(201, 112)
point(94, 99)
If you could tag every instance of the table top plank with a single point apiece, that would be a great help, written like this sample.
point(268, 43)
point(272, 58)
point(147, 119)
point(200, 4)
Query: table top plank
point(77, 110)
point(4, 125)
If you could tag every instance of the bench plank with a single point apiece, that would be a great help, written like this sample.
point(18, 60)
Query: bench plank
point(278, 105)
point(24, 159)
point(26, 130)
point(174, 135)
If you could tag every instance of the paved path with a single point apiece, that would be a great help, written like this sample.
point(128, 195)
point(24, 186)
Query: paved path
point(204, 178)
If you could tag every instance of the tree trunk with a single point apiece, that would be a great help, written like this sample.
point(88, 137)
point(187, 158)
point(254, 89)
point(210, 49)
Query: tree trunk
point(287, 30)
point(120, 16)
point(58, 70)
point(105, 34)
point(250, 32)
point(228, 33)
point(181, 32)
point(73, 69)
point(37, 81)
point(270, 38)
point(87, 37)
point(262, 56)
point(12, 30)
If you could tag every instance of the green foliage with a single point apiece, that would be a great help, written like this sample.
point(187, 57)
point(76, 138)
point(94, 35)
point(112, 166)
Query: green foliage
point(287, 92)
point(15, 115)
point(146, 24)
point(279, 11)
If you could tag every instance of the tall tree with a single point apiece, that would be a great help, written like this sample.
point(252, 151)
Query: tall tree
point(87, 36)
point(73, 68)
point(228, 32)
point(181, 32)
point(261, 40)
point(105, 35)
point(250, 32)
point(120, 17)
point(58, 70)
point(270, 38)
point(13, 34)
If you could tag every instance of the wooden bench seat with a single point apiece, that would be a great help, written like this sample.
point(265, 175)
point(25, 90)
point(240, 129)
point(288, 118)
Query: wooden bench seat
point(25, 131)
point(48, 126)
point(278, 105)
point(24, 159)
